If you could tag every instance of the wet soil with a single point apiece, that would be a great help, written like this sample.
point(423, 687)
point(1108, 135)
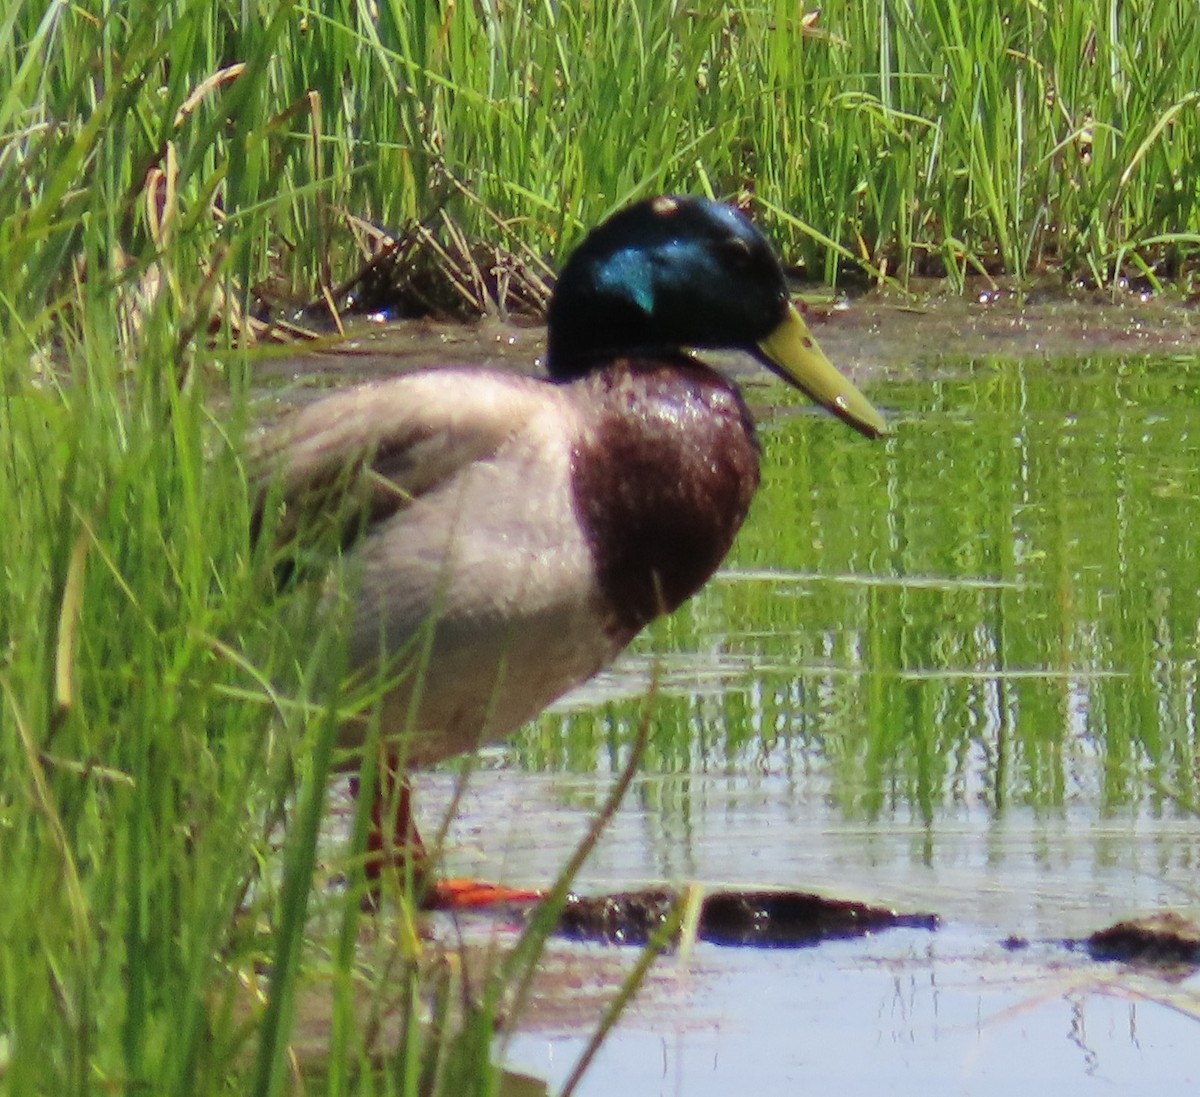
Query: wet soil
point(869, 336)
point(752, 918)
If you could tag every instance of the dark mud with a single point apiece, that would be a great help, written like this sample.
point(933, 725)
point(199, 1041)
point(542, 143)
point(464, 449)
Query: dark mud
point(757, 919)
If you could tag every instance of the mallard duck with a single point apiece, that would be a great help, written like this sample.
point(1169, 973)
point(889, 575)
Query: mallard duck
point(512, 535)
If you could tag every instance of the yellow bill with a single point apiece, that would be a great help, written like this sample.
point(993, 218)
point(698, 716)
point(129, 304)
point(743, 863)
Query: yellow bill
point(792, 352)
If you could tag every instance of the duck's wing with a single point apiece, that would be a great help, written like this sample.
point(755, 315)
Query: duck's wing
point(360, 455)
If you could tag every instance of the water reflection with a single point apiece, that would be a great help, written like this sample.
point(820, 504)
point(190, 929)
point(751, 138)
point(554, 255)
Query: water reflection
point(956, 671)
point(998, 605)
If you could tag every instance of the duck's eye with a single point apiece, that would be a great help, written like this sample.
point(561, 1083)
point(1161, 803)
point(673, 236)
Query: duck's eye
point(736, 252)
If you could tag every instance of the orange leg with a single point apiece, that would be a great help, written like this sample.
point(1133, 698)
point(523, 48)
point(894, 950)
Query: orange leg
point(393, 842)
point(397, 842)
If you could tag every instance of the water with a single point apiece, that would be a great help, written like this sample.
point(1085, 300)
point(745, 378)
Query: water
point(996, 609)
point(899, 1014)
point(955, 671)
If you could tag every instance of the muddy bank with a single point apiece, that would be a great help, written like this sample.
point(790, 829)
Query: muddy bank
point(873, 335)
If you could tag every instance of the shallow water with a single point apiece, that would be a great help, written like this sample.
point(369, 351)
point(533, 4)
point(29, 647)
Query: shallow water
point(955, 671)
point(904, 1011)
point(898, 1014)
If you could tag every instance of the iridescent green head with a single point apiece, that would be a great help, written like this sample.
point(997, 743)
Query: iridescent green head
point(675, 272)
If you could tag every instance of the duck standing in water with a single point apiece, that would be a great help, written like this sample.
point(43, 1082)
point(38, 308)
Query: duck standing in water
point(509, 536)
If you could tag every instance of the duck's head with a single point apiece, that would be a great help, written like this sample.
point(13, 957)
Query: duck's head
point(674, 272)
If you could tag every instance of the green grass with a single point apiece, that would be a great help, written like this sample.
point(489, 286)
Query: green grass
point(159, 713)
point(886, 136)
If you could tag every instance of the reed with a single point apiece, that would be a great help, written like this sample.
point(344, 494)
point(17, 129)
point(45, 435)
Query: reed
point(159, 162)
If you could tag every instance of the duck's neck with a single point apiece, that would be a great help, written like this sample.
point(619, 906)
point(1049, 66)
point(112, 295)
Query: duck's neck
point(663, 477)
point(565, 367)
point(588, 330)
